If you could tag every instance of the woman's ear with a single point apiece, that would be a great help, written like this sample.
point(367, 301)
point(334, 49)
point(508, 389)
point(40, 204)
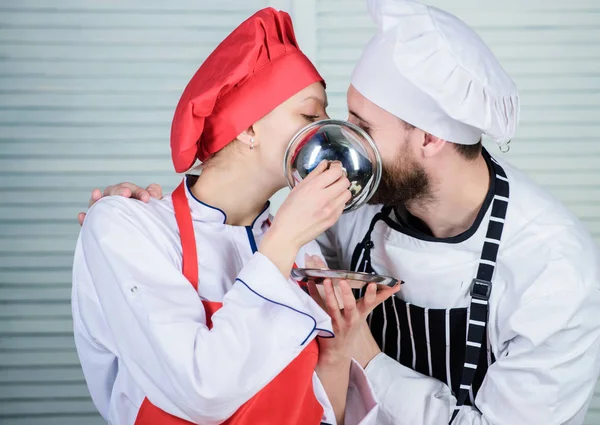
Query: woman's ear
point(248, 138)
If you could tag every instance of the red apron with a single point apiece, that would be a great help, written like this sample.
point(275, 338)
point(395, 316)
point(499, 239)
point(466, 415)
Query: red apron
point(288, 399)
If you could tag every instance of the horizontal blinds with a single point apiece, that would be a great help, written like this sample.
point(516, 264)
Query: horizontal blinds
point(87, 93)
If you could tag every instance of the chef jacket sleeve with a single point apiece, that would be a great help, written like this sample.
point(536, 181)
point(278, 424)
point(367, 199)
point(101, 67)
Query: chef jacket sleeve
point(546, 373)
point(158, 322)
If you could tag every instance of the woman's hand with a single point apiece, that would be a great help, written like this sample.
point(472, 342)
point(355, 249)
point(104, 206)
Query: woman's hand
point(313, 206)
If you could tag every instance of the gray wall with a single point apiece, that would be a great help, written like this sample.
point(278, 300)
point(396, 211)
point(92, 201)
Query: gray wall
point(87, 91)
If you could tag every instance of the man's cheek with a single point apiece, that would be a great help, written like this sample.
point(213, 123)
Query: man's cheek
point(386, 151)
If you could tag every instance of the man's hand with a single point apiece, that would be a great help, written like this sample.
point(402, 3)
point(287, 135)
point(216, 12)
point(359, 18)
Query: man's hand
point(349, 323)
point(335, 354)
point(362, 347)
point(128, 190)
point(316, 262)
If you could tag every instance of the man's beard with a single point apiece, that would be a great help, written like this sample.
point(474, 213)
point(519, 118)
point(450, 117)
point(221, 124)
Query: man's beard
point(402, 182)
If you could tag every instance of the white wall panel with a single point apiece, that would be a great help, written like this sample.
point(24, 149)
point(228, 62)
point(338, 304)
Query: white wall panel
point(87, 92)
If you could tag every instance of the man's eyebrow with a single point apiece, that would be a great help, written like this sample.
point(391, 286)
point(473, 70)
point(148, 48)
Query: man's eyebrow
point(359, 117)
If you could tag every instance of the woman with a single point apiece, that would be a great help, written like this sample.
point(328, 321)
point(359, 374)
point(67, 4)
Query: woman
point(183, 308)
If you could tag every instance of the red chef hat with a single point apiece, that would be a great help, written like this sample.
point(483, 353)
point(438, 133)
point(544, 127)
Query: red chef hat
point(256, 68)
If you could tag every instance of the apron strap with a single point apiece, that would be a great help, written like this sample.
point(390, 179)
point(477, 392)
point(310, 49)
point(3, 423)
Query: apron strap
point(361, 257)
point(183, 216)
point(481, 287)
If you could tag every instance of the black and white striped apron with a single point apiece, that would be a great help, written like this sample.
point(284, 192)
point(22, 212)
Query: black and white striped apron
point(450, 345)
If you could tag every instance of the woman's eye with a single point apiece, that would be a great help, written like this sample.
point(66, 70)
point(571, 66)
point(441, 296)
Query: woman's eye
point(311, 118)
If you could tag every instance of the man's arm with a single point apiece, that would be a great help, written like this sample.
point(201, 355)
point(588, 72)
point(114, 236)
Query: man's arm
point(545, 375)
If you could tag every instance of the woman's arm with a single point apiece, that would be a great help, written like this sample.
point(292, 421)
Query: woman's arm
point(158, 321)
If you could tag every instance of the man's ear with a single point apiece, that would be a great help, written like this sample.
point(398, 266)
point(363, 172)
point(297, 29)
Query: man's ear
point(432, 145)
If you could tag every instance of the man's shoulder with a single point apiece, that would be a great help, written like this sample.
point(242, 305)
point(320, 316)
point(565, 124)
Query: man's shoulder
point(534, 211)
point(544, 240)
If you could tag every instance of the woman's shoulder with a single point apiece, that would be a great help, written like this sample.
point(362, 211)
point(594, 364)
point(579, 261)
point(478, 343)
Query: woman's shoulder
point(124, 215)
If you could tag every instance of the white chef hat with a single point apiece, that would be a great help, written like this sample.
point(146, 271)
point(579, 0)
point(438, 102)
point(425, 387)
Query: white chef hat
point(430, 69)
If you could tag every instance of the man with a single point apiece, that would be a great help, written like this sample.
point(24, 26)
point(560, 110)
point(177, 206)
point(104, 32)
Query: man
point(497, 321)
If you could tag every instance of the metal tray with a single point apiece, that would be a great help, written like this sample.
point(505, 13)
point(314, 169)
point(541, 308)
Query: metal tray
point(356, 279)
